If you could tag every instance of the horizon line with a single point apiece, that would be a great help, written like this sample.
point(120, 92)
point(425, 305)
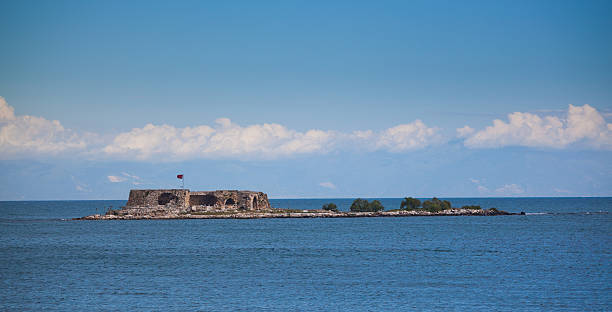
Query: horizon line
point(364, 197)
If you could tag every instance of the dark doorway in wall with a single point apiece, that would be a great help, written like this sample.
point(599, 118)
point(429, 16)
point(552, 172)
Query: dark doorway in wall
point(254, 202)
point(166, 198)
point(230, 201)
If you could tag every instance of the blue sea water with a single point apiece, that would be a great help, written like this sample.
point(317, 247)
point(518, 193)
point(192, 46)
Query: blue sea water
point(555, 258)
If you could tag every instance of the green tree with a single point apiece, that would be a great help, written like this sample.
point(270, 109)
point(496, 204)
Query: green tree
point(431, 206)
point(359, 205)
point(410, 203)
point(436, 205)
point(375, 206)
point(447, 205)
point(362, 205)
point(330, 207)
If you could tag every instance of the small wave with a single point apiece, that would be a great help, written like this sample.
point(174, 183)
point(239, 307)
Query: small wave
point(567, 213)
point(22, 220)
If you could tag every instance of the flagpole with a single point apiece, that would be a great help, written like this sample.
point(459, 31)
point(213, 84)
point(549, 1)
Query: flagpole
point(182, 178)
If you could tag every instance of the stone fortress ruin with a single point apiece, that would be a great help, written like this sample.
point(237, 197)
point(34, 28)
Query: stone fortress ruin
point(177, 201)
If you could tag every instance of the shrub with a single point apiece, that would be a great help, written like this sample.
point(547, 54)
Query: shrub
point(330, 207)
point(436, 205)
point(362, 205)
point(410, 203)
point(359, 205)
point(447, 205)
point(471, 207)
point(376, 206)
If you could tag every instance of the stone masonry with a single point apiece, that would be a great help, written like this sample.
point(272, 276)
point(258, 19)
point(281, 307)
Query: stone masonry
point(159, 202)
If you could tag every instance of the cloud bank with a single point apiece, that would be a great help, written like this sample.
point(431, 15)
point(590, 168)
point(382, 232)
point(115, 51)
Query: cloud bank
point(264, 141)
point(30, 136)
point(225, 140)
point(583, 125)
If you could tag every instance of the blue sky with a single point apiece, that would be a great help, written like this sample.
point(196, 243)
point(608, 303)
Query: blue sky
point(306, 98)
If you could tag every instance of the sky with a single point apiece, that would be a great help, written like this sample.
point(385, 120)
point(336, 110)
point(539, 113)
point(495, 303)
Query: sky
point(306, 98)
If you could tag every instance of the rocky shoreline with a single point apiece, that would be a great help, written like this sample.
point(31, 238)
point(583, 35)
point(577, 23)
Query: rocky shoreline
point(233, 204)
point(146, 214)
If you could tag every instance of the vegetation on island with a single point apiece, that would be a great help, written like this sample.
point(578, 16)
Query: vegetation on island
point(432, 205)
point(330, 207)
point(436, 205)
point(362, 205)
point(410, 203)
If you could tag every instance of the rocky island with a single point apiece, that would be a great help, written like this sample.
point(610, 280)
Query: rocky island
point(234, 204)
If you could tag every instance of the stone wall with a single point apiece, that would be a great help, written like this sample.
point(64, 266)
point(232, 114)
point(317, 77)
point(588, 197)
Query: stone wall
point(198, 201)
point(229, 200)
point(152, 198)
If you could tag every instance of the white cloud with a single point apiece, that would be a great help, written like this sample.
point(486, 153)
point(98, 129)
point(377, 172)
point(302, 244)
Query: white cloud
point(135, 180)
point(7, 112)
point(116, 179)
point(582, 125)
point(30, 134)
point(130, 176)
point(505, 190)
point(510, 190)
point(404, 137)
point(259, 141)
point(328, 185)
point(465, 131)
point(482, 189)
point(78, 185)
point(38, 136)
point(227, 139)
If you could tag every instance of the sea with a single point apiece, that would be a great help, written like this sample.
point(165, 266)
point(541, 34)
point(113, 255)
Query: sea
point(557, 257)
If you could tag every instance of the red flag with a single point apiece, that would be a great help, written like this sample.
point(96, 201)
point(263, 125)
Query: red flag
point(179, 176)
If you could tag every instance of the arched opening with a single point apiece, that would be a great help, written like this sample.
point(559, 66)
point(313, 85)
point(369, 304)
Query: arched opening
point(202, 200)
point(254, 205)
point(230, 201)
point(166, 198)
